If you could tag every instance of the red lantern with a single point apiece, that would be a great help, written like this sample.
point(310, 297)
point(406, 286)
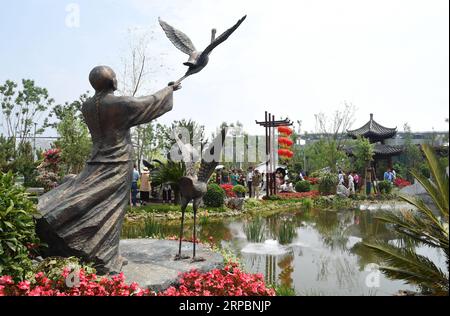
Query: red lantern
point(285, 130)
point(285, 141)
point(285, 153)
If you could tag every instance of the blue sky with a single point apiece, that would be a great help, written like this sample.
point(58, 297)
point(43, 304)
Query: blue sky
point(294, 58)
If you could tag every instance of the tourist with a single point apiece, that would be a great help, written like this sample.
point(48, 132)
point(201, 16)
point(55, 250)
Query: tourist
point(301, 176)
point(134, 186)
point(167, 193)
point(394, 174)
point(249, 180)
point(257, 183)
point(287, 187)
point(341, 178)
point(241, 177)
point(225, 177)
point(145, 186)
point(356, 179)
point(368, 181)
point(351, 184)
point(388, 175)
point(218, 177)
point(234, 178)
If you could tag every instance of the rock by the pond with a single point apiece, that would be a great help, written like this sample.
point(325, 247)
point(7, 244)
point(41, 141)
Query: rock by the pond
point(151, 262)
point(235, 203)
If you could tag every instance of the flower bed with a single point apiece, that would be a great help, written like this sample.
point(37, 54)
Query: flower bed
point(298, 195)
point(230, 281)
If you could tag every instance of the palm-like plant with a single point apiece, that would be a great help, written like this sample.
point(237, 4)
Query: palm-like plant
point(169, 172)
point(423, 226)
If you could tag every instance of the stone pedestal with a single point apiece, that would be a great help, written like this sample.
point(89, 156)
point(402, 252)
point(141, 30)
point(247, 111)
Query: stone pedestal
point(151, 262)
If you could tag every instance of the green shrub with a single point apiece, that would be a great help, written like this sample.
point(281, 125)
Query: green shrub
point(303, 186)
point(215, 196)
point(385, 187)
point(328, 183)
point(252, 203)
point(17, 229)
point(239, 189)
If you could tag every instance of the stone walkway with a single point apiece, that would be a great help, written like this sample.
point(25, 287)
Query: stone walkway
point(151, 264)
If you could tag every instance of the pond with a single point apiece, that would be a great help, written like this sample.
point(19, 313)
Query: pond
point(315, 252)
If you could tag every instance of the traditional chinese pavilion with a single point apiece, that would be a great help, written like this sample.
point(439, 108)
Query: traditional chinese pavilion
point(377, 135)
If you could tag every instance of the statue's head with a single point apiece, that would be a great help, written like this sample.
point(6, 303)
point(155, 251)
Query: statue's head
point(103, 78)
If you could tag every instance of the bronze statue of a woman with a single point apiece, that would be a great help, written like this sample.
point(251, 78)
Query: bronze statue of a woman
point(83, 217)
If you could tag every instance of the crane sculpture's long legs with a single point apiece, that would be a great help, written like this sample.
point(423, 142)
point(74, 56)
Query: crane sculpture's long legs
point(184, 204)
point(196, 205)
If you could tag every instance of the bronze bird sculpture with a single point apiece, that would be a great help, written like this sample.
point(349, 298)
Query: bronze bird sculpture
point(194, 185)
point(197, 59)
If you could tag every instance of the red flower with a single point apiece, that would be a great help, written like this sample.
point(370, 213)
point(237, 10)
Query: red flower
point(401, 183)
point(228, 188)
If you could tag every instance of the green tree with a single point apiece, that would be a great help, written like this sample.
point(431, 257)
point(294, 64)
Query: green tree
point(196, 134)
point(412, 155)
point(74, 138)
point(424, 227)
point(22, 109)
point(329, 150)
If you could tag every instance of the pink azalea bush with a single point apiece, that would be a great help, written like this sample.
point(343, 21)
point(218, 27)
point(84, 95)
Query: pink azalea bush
point(84, 284)
point(230, 281)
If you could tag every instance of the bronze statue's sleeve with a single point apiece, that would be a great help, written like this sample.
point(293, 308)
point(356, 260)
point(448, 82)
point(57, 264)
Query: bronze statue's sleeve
point(145, 109)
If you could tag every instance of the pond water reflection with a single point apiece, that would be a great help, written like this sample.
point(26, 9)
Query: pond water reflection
point(315, 252)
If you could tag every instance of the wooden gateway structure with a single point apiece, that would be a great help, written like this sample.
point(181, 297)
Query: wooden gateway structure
point(270, 124)
point(377, 135)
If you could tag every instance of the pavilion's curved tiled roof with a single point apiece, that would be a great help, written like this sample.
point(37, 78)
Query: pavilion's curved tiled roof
point(380, 150)
point(373, 130)
point(387, 150)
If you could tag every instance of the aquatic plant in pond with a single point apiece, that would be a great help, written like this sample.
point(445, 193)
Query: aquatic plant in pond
point(254, 229)
point(286, 232)
point(146, 229)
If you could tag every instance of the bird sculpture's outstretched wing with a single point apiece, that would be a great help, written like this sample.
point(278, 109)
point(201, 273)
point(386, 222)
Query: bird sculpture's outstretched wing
point(224, 36)
point(178, 38)
point(213, 151)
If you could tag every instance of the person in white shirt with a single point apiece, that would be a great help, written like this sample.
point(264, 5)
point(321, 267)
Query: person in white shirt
point(249, 180)
point(341, 177)
point(351, 184)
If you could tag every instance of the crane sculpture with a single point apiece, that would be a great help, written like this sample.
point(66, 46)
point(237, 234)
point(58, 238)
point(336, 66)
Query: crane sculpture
point(197, 59)
point(194, 185)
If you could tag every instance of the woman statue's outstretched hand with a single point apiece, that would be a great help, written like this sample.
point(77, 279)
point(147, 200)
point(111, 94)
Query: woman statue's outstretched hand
point(175, 85)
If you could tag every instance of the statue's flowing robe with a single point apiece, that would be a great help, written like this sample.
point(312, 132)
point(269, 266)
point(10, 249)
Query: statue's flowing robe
point(83, 217)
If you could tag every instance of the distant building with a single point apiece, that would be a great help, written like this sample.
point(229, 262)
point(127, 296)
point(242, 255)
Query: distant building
point(377, 134)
